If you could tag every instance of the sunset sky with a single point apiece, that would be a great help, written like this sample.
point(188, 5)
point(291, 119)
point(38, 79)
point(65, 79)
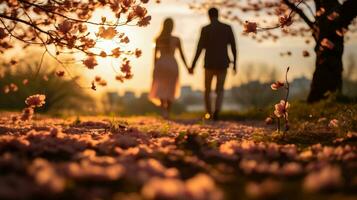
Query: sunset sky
point(188, 24)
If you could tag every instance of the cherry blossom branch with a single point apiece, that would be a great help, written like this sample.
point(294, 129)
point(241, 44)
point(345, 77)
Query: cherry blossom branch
point(69, 18)
point(287, 87)
point(24, 22)
point(283, 21)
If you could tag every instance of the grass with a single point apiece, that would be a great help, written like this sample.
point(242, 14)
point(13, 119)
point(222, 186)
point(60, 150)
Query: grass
point(309, 123)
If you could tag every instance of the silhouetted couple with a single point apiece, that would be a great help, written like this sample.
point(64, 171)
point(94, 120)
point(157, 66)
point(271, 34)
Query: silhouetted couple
point(215, 39)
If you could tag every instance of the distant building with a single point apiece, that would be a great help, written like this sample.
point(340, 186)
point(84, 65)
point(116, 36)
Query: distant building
point(128, 96)
point(300, 86)
point(185, 91)
point(144, 95)
point(113, 97)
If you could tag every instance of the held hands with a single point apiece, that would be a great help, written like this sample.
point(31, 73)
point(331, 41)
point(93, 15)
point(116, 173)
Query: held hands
point(190, 69)
point(234, 68)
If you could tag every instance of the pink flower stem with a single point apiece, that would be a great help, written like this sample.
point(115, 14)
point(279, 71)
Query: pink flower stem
point(286, 98)
point(278, 125)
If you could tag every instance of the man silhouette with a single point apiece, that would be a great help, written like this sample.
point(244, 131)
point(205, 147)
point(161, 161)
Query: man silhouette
point(215, 38)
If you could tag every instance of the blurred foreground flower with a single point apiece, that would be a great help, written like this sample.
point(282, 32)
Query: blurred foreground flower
point(159, 188)
point(265, 189)
point(327, 177)
point(199, 187)
point(46, 176)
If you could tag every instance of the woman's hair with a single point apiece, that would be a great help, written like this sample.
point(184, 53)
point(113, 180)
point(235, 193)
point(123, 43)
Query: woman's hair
point(165, 34)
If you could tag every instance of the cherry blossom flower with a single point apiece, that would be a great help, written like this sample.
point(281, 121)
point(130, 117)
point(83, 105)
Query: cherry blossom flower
point(285, 21)
point(277, 85)
point(25, 81)
point(125, 67)
point(138, 53)
point(250, 27)
point(6, 89)
point(65, 26)
point(90, 62)
point(37, 100)
point(144, 21)
point(107, 33)
point(102, 83)
point(27, 114)
point(3, 34)
point(119, 78)
point(334, 15)
point(140, 11)
point(327, 43)
point(334, 123)
point(281, 109)
point(97, 78)
point(269, 120)
point(13, 87)
point(103, 54)
point(116, 52)
point(60, 73)
point(341, 32)
point(320, 12)
point(305, 53)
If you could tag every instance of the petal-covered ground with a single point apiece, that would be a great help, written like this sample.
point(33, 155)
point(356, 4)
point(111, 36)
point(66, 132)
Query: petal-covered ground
point(151, 158)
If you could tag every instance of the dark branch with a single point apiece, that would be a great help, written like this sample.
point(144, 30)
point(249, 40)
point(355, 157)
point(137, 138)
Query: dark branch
point(23, 22)
point(310, 9)
point(301, 13)
point(348, 12)
point(317, 4)
point(71, 19)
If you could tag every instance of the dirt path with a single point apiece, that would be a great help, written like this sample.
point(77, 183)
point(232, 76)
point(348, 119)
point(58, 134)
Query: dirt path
point(151, 158)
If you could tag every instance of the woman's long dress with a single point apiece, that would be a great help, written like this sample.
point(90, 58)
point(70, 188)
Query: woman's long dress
point(165, 85)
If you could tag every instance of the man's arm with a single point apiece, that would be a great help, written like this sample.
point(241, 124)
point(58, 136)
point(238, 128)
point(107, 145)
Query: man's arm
point(181, 52)
point(200, 47)
point(232, 43)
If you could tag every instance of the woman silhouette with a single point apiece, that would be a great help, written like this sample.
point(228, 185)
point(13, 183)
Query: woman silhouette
point(165, 86)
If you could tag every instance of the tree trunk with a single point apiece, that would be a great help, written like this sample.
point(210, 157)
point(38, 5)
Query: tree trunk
point(328, 71)
point(328, 67)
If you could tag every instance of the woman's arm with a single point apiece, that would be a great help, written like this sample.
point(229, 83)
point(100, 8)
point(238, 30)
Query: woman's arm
point(181, 52)
point(155, 53)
